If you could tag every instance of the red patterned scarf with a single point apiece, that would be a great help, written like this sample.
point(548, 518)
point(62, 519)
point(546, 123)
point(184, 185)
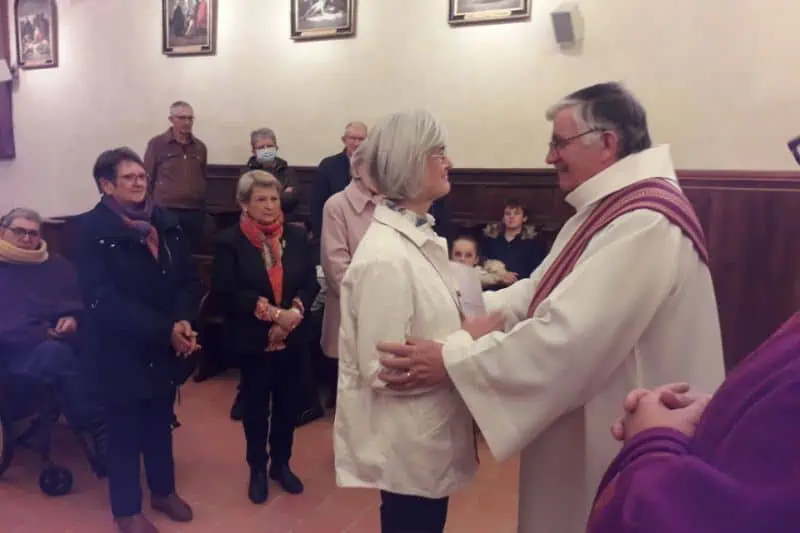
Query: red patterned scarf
point(267, 238)
point(655, 194)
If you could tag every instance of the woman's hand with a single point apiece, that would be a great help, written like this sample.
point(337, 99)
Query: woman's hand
point(509, 278)
point(662, 408)
point(477, 327)
point(184, 338)
point(287, 319)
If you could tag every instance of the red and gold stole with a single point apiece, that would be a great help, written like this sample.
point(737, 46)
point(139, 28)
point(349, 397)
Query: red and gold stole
point(655, 194)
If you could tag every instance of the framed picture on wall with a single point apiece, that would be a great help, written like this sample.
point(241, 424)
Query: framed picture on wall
point(36, 23)
point(476, 11)
point(189, 27)
point(323, 19)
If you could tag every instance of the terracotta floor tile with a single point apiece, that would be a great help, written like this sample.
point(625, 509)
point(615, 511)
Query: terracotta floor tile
point(212, 476)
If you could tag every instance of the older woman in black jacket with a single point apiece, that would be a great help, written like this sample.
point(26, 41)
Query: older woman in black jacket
point(264, 279)
point(141, 291)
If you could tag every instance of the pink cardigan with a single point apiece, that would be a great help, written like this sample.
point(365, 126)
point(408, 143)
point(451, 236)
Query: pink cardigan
point(345, 218)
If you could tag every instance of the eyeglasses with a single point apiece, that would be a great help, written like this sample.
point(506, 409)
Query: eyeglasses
point(134, 177)
point(557, 143)
point(188, 118)
point(22, 232)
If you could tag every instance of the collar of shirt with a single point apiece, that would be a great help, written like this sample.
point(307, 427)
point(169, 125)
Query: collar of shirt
point(359, 197)
point(418, 229)
point(651, 163)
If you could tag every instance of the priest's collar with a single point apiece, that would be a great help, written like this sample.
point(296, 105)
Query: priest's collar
point(654, 162)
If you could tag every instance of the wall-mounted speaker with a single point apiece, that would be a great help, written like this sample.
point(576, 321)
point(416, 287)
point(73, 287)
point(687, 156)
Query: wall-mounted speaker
point(567, 25)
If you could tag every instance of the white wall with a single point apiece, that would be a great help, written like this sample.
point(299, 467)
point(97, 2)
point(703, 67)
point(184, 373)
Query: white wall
point(720, 80)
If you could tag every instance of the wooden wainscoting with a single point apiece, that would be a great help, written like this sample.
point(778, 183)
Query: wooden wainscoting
point(751, 220)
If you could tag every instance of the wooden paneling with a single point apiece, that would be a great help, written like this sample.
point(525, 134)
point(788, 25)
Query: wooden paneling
point(751, 220)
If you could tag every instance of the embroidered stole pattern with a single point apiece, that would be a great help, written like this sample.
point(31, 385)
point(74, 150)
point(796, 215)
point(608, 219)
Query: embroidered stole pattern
point(655, 194)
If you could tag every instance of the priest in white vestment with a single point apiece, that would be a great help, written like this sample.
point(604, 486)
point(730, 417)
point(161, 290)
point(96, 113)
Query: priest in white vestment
point(637, 309)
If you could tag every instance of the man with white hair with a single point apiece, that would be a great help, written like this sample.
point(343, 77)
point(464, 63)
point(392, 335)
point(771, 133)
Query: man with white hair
point(624, 300)
point(333, 174)
point(176, 162)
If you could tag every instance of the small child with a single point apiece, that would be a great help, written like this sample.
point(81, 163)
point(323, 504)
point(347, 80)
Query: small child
point(465, 251)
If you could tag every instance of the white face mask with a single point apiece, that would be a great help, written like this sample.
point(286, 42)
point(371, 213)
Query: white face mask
point(266, 154)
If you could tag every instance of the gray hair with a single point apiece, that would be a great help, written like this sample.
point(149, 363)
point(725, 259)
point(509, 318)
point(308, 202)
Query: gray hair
point(353, 125)
point(20, 212)
point(254, 179)
point(177, 105)
point(396, 152)
point(608, 107)
point(263, 133)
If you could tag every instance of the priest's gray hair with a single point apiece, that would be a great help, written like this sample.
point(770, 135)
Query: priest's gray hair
point(179, 104)
point(608, 107)
point(263, 133)
point(396, 152)
point(255, 179)
point(20, 212)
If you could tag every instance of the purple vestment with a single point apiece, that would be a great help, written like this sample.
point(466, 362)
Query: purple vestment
point(33, 297)
point(740, 473)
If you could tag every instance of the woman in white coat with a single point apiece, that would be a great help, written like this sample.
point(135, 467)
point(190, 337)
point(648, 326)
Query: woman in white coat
point(417, 448)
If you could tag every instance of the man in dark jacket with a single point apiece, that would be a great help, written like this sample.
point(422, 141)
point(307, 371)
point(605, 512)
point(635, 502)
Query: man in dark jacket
point(333, 175)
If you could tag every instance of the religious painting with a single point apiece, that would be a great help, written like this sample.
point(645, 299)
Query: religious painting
point(189, 27)
point(37, 33)
point(476, 11)
point(323, 19)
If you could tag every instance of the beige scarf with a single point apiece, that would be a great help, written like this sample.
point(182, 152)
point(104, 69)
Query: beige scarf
point(11, 254)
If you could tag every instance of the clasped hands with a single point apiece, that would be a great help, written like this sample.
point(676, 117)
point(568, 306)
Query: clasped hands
point(418, 363)
point(65, 326)
point(672, 406)
point(284, 321)
point(184, 339)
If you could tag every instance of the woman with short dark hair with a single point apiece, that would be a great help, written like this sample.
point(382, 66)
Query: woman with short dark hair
point(141, 291)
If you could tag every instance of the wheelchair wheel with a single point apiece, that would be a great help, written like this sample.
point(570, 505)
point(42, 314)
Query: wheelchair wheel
point(6, 442)
point(55, 480)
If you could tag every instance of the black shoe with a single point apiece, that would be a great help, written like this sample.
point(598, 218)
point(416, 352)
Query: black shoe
point(286, 479)
point(237, 409)
point(258, 489)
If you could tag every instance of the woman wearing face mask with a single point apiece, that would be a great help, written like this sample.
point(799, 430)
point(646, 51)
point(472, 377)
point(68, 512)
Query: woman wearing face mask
point(264, 279)
point(264, 144)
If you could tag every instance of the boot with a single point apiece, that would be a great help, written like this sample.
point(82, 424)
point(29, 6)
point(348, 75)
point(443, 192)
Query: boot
point(258, 489)
point(286, 479)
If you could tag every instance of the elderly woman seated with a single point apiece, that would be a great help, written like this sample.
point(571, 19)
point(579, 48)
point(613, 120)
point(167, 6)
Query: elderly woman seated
point(39, 317)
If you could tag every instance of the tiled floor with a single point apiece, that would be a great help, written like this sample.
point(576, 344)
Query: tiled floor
point(212, 476)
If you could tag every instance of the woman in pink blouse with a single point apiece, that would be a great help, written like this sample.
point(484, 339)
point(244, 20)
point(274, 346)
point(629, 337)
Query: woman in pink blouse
point(345, 218)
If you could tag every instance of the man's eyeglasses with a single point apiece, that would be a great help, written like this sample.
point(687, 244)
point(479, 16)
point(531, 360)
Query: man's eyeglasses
point(558, 143)
point(22, 232)
point(188, 118)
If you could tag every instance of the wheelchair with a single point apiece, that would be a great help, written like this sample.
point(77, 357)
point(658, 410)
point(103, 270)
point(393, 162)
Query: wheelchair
point(28, 413)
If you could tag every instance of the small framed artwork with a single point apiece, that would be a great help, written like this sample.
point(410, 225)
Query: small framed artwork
point(189, 27)
point(37, 33)
point(477, 11)
point(323, 19)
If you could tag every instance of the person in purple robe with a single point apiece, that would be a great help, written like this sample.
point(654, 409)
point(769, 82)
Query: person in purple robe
point(700, 464)
point(39, 318)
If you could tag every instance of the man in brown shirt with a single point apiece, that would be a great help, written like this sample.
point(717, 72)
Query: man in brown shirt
point(176, 162)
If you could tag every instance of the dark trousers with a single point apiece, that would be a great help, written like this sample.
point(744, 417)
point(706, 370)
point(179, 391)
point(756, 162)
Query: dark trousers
point(270, 383)
point(193, 224)
point(55, 363)
point(401, 513)
point(136, 431)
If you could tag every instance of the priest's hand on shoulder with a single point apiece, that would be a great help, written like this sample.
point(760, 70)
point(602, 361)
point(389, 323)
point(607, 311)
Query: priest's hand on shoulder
point(669, 406)
point(417, 363)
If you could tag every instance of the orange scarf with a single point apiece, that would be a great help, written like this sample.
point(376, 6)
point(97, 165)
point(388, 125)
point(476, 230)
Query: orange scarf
point(267, 238)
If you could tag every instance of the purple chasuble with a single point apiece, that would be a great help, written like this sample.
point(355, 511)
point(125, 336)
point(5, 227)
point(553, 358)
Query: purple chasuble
point(740, 473)
point(34, 297)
